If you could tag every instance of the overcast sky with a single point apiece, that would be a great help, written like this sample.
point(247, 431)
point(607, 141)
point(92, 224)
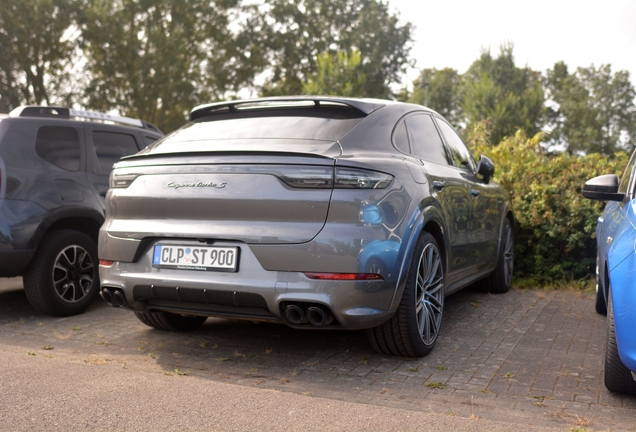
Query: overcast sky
point(452, 33)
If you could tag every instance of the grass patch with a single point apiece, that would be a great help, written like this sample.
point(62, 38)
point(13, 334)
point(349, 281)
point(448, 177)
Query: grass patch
point(436, 385)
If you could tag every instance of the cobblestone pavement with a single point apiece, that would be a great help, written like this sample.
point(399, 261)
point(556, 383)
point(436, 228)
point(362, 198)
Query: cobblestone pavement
point(532, 358)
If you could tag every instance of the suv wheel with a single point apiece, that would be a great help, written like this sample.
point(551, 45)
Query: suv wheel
point(500, 280)
point(63, 279)
point(413, 330)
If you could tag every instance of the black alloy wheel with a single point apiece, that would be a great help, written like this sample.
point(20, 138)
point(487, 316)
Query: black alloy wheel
point(63, 278)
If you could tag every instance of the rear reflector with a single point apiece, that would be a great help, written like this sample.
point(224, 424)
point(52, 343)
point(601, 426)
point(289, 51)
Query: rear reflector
point(344, 276)
point(105, 263)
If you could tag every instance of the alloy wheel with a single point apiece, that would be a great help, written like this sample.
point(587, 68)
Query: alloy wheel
point(429, 295)
point(73, 273)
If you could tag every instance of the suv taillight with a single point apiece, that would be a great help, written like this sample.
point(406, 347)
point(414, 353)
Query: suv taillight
point(349, 178)
point(344, 178)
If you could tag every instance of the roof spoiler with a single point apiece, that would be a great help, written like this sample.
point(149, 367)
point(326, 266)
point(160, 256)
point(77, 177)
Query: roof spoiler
point(366, 106)
point(67, 113)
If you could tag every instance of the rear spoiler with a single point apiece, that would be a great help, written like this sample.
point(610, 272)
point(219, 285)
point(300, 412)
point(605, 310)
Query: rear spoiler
point(365, 106)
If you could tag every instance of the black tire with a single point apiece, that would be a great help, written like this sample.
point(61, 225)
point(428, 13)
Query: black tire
point(500, 280)
point(601, 305)
point(63, 278)
point(169, 321)
point(415, 327)
point(617, 377)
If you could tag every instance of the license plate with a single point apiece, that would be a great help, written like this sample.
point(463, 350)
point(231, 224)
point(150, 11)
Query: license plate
point(204, 258)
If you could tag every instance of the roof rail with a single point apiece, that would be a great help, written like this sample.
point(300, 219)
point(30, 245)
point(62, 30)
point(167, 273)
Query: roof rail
point(365, 106)
point(67, 113)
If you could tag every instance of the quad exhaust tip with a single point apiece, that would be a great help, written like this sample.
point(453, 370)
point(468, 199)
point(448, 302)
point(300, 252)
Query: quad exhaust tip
point(113, 296)
point(295, 314)
point(319, 316)
point(315, 315)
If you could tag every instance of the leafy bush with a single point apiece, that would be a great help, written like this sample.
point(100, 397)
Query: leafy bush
point(555, 224)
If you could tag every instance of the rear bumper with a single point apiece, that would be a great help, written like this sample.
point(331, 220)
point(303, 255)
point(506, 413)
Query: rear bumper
point(251, 293)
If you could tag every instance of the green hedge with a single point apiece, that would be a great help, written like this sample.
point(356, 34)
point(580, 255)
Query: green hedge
point(555, 225)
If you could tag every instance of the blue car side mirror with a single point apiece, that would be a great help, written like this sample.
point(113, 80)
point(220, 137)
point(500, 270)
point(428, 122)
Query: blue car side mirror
point(603, 188)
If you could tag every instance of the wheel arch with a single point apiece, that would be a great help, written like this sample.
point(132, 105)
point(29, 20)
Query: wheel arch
point(428, 220)
point(85, 220)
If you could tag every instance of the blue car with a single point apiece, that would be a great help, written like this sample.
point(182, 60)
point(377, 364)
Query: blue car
point(616, 274)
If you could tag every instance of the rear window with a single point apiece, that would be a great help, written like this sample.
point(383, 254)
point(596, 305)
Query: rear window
point(219, 132)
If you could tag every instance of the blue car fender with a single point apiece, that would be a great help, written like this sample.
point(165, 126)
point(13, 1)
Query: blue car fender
point(622, 275)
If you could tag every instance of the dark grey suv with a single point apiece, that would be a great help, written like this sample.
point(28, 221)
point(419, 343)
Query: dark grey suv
point(54, 169)
point(316, 212)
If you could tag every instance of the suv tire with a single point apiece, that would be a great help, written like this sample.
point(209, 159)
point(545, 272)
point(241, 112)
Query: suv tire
point(62, 278)
point(500, 280)
point(413, 330)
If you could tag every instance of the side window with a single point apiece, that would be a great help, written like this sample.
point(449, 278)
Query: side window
point(110, 147)
point(400, 139)
point(425, 139)
point(59, 146)
point(459, 152)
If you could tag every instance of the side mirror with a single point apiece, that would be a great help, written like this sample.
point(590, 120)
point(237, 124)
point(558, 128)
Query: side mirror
point(602, 188)
point(485, 167)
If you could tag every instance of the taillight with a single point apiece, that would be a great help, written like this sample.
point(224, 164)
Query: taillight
point(105, 263)
point(121, 180)
point(307, 178)
point(343, 276)
point(342, 178)
point(349, 178)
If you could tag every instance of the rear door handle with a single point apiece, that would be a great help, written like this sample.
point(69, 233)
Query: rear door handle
point(474, 193)
point(438, 185)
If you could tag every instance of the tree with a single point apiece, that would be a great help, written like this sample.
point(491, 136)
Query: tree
point(338, 75)
point(508, 97)
point(439, 89)
point(593, 110)
point(300, 30)
point(156, 59)
point(35, 51)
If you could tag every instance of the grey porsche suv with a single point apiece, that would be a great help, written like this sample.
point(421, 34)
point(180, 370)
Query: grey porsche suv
point(317, 212)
